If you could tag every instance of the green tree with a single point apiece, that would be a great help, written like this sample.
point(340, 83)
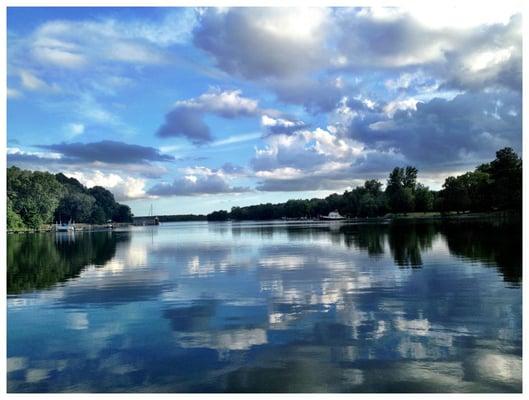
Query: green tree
point(410, 178)
point(400, 189)
point(455, 195)
point(506, 173)
point(13, 219)
point(98, 215)
point(122, 214)
point(104, 200)
point(423, 198)
point(479, 189)
point(76, 207)
point(218, 216)
point(34, 195)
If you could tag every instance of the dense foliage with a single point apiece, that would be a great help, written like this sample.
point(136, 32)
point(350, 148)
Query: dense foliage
point(37, 198)
point(493, 186)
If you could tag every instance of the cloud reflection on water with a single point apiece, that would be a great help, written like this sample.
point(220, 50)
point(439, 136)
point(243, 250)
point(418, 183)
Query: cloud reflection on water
point(293, 301)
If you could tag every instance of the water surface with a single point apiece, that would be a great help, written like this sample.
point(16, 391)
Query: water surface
point(267, 307)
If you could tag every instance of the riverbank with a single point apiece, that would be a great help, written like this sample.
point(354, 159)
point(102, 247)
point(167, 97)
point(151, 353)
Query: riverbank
point(78, 227)
point(412, 216)
point(500, 215)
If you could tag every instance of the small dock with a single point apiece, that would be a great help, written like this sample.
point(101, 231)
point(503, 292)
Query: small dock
point(145, 221)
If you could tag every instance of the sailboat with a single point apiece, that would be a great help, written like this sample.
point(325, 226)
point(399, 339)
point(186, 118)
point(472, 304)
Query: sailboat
point(156, 221)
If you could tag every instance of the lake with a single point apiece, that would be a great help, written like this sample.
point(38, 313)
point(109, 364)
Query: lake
point(267, 307)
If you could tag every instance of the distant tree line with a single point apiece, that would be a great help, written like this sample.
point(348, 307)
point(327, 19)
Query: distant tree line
point(182, 218)
point(492, 186)
point(35, 198)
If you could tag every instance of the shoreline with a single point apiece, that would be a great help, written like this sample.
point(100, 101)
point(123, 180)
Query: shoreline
point(434, 216)
point(78, 228)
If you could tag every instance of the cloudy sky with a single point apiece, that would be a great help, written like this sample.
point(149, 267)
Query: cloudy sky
point(193, 110)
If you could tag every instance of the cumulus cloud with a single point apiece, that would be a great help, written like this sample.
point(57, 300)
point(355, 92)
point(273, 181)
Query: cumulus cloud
point(455, 50)
point(263, 42)
point(123, 188)
point(387, 86)
point(227, 104)
point(491, 57)
point(469, 127)
point(318, 159)
point(186, 118)
point(315, 95)
point(463, 56)
point(197, 181)
point(281, 125)
point(187, 123)
point(107, 151)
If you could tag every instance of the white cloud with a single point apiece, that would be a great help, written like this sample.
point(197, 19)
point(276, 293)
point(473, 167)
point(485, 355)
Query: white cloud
point(30, 81)
point(267, 41)
point(127, 188)
point(317, 159)
point(197, 181)
point(463, 15)
point(56, 55)
point(187, 116)
point(39, 154)
point(224, 103)
point(404, 104)
point(79, 44)
point(280, 122)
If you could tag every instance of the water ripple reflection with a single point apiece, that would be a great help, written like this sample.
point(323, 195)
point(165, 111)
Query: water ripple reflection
point(250, 307)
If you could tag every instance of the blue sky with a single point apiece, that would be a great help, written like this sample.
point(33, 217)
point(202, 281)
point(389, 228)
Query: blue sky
point(193, 110)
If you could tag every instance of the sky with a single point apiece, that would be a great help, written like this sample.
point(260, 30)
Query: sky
point(199, 109)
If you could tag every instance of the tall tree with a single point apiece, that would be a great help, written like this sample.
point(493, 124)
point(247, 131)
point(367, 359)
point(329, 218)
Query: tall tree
point(506, 173)
point(410, 178)
point(400, 189)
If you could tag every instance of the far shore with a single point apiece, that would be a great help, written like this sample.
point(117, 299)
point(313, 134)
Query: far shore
point(386, 218)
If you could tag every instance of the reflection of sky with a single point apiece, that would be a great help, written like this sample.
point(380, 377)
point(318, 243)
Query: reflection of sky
point(192, 307)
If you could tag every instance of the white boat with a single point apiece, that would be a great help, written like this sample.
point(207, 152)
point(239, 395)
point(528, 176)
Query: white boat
point(64, 227)
point(333, 216)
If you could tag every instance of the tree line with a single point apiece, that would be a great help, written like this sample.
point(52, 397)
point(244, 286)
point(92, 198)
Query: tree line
point(35, 198)
point(490, 187)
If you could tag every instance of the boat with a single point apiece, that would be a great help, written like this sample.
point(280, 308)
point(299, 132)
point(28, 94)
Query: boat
point(333, 216)
point(64, 227)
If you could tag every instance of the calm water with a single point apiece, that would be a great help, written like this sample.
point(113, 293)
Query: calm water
point(189, 307)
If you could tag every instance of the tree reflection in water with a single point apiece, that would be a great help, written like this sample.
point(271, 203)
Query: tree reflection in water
point(38, 261)
point(493, 242)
